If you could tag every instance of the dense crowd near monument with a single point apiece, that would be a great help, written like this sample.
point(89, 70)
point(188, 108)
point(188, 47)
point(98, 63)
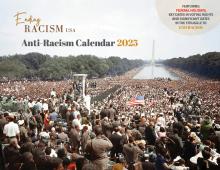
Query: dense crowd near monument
point(176, 127)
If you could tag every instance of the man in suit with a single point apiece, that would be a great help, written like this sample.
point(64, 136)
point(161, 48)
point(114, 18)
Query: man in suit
point(117, 140)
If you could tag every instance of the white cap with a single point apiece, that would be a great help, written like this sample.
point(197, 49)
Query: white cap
point(177, 159)
point(21, 122)
point(106, 118)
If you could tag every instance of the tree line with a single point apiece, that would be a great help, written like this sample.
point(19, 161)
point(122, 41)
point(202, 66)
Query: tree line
point(34, 66)
point(206, 65)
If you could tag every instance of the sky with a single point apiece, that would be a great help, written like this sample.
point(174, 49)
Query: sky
point(101, 19)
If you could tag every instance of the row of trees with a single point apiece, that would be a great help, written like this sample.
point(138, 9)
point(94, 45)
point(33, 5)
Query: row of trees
point(207, 65)
point(44, 67)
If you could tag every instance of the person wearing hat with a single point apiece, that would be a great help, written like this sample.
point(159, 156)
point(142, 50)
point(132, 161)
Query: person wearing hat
point(23, 131)
point(179, 164)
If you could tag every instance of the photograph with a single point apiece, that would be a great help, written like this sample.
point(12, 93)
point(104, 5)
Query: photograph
point(110, 85)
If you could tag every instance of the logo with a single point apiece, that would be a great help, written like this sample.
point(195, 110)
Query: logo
point(33, 24)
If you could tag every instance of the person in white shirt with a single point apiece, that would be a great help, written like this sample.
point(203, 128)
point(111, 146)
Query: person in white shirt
point(30, 104)
point(76, 114)
point(53, 93)
point(45, 105)
point(87, 102)
point(11, 130)
point(161, 120)
point(76, 122)
point(39, 105)
point(44, 135)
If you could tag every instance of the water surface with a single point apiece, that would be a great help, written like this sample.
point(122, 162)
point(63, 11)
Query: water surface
point(156, 71)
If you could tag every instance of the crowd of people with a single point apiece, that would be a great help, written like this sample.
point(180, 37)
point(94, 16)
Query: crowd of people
point(177, 127)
